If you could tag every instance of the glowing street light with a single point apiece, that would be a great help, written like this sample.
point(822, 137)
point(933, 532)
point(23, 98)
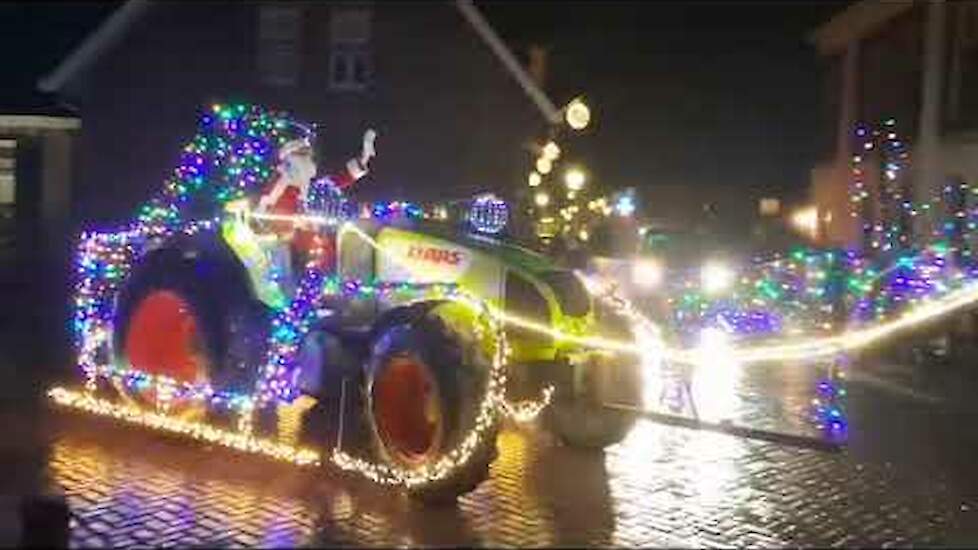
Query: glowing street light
point(544, 165)
point(541, 199)
point(805, 220)
point(625, 206)
point(578, 115)
point(534, 179)
point(551, 151)
point(716, 277)
point(574, 178)
point(647, 273)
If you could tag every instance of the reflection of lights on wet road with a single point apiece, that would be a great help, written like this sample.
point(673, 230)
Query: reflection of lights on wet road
point(715, 467)
point(680, 474)
point(715, 376)
point(514, 452)
point(652, 372)
point(120, 501)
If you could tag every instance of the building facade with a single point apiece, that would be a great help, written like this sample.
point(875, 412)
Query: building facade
point(35, 182)
point(910, 68)
point(450, 120)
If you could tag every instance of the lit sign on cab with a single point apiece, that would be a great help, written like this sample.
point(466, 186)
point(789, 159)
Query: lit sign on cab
point(415, 258)
point(435, 255)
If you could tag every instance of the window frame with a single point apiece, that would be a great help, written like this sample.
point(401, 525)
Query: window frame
point(352, 50)
point(277, 41)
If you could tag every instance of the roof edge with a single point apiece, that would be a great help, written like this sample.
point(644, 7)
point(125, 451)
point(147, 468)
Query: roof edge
point(39, 122)
point(96, 43)
point(854, 22)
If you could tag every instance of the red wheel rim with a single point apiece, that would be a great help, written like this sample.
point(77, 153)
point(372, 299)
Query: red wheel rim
point(163, 338)
point(407, 410)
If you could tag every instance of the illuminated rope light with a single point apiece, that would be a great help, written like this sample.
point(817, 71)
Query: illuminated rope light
point(295, 218)
point(240, 441)
point(452, 460)
point(528, 411)
point(855, 339)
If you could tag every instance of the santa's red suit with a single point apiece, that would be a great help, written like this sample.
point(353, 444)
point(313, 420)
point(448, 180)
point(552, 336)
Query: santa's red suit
point(284, 196)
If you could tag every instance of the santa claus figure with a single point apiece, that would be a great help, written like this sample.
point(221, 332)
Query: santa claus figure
point(287, 193)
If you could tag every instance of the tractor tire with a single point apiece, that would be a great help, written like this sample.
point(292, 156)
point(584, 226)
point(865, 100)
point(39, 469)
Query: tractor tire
point(182, 318)
point(577, 415)
point(423, 384)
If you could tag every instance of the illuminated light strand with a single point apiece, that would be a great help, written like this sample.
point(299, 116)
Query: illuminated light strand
point(828, 410)
point(449, 463)
point(296, 218)
point(816, 347)
point(196, 430)
point(529, 410)
point(856, 339)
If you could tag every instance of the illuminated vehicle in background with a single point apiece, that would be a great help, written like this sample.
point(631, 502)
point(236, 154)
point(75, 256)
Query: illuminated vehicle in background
point(393, 356)
point(682, 279)
point(662, 258)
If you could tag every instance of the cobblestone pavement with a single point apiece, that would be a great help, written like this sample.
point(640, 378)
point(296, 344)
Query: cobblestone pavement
point(663, 486)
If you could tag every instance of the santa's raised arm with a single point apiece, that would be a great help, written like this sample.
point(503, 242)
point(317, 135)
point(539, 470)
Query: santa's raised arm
point(296, 170)
point(356, 167)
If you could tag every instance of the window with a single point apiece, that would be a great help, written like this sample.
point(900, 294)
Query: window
point(278, 44)
point(573, 297)
point(8, 193)
point(523, 300)
point(349, 55)
point(769, 206)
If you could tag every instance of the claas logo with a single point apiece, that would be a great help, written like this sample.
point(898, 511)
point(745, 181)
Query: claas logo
point(441, 256)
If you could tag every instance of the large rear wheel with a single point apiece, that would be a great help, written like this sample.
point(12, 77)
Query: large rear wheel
point(179, 318)
point(425, 381)
point(163, 339)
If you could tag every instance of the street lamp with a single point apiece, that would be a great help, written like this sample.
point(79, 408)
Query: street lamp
point(551, 151)
point(544, 165)
point(577, 114)
point(574, 178)
point(541, 199)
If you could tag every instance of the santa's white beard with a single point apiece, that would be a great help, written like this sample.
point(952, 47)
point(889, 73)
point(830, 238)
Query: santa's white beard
point(299, 171)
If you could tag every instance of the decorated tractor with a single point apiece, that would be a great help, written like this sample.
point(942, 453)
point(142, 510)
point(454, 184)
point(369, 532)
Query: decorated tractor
point(250, 298)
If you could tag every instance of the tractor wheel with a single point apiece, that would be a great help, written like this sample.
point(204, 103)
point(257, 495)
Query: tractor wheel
point(577, 415)
point(171, 321)
point(423, 384)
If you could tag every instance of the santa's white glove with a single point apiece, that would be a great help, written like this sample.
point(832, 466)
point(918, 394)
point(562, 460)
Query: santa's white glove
point(368, 151)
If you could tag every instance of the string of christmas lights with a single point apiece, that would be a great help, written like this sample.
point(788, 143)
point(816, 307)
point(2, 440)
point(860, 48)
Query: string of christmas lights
point(240, 440)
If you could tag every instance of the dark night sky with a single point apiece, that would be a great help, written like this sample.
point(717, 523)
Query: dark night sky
point(693, 93)
point(35, 36)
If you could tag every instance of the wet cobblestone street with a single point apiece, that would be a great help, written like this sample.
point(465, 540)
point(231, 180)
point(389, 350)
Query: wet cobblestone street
point(662, 486)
